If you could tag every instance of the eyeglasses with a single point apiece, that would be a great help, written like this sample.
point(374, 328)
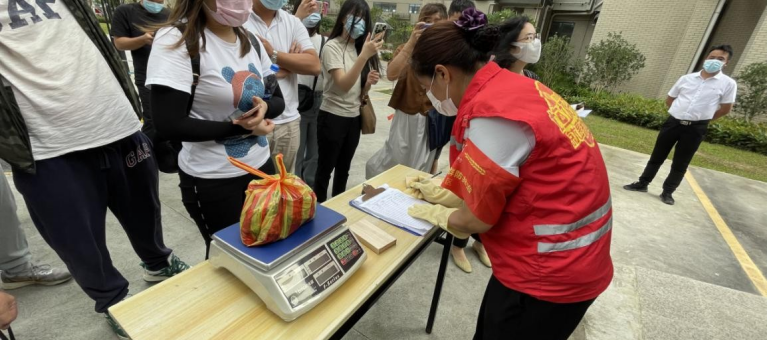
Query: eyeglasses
point(530, 37)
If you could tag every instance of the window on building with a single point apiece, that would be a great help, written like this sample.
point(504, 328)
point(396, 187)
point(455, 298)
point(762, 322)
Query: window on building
point(386, 7)
point(414, 8)
point(562, 29)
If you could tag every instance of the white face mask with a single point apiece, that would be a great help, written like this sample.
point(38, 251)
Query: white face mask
point(445, 107)
point(529, 52)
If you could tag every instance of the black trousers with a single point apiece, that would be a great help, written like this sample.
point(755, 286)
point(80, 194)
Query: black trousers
point(68, 199)
point(463, 243)
point(146, 109)
point(215, 204)
point(510, 315)
point(337, 139)
point(686, 138)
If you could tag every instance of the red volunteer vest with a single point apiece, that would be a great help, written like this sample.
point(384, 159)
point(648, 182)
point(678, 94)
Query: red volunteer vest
point(552, 240)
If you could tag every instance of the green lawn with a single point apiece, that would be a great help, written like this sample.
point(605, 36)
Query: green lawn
point(712, 156)
point(104, 27)
point(389, 92)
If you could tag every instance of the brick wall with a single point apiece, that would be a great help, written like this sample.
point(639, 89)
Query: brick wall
point(756, 49)
point(668, 33)
point(735, 27)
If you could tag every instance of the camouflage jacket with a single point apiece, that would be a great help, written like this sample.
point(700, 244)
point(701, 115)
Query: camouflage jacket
point(15, 147)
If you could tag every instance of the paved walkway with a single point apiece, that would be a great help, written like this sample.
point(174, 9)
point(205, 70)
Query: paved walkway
point(676, 277)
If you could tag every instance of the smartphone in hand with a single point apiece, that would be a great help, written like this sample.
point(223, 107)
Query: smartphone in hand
point(380, 27)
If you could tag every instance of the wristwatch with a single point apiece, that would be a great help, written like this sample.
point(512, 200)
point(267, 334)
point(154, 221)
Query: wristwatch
point(274, 57)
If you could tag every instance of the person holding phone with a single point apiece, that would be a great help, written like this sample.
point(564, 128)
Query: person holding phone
point(226, 116)
point(350, 66)
point(408, 142)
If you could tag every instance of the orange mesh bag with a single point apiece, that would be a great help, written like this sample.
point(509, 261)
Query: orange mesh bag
point(275, 206)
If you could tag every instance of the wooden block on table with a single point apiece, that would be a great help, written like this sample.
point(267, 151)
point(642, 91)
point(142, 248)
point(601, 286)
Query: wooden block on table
point(372, 236)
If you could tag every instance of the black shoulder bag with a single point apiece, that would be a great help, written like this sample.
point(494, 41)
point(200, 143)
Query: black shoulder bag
point(305, 93)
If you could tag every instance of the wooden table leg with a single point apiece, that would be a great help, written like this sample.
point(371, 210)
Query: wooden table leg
point(447, 242)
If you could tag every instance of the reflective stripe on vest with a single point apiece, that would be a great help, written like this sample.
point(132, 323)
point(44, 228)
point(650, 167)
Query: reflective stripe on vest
point(556, 229)
point(585, 240)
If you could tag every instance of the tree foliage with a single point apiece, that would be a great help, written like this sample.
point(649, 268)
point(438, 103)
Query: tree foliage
point(611, 62)
point(326, 24)
point(498, 17)
point(556, 60)
point(400, 30)
point(752, 100)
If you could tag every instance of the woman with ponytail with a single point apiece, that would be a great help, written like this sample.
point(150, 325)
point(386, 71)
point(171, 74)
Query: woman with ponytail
point(526, 175)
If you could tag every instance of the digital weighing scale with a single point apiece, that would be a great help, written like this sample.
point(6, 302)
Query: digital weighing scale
point(293, 275)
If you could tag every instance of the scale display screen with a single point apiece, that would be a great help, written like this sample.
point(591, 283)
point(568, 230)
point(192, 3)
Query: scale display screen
point(319, 270)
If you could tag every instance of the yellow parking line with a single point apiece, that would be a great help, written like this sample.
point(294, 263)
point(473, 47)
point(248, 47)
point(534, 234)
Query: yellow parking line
point(753, 272)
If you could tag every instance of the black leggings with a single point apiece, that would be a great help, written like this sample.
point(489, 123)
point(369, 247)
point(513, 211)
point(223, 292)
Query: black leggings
point(337, 140)
point(463, 243)
point(215, 204)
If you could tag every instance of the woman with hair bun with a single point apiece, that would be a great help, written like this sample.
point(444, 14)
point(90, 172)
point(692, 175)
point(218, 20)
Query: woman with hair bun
point(527, 175)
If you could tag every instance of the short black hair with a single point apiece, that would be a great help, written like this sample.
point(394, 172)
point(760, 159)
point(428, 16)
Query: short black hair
point(725, 47)
point(457, 6)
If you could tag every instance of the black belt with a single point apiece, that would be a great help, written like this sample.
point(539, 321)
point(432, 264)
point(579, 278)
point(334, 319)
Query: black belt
point(691, 122)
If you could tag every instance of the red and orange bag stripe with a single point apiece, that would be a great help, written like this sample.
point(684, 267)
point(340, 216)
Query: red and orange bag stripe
point(275, 206)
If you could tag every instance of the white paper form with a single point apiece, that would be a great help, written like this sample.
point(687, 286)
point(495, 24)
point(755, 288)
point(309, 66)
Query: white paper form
point(391, 206)
point(582, 112)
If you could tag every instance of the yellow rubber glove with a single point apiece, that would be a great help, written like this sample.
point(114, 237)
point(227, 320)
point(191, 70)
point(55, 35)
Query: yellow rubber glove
point(435, 194)
point(437, 215)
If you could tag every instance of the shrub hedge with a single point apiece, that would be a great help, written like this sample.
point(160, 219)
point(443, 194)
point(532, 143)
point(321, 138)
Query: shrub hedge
point(651, 113)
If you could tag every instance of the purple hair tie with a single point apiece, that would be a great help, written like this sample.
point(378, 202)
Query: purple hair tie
point(471, 19)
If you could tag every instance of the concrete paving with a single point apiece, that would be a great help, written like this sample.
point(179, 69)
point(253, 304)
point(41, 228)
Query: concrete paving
point(675, 277)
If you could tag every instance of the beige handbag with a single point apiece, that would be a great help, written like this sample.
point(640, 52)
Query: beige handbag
point(368, 116)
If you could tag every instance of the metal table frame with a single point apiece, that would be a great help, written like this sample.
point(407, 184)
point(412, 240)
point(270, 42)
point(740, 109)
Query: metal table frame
point(446, 241)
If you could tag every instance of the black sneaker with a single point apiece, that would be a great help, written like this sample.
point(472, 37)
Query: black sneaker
point(665, 197)
point(636, 186)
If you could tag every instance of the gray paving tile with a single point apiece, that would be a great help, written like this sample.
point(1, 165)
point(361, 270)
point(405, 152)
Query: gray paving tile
point(657, 327)
point(615, 314)
point(402, 312)
point(353, 334)
point(670, 296)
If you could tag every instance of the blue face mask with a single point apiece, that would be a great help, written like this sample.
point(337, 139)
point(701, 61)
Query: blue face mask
point(312, 20)
point(274, 4)
point(359, 27)
point(713, 65)
point(152, 7)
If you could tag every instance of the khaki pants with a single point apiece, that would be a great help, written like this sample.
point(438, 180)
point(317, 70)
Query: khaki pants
point(285, 139)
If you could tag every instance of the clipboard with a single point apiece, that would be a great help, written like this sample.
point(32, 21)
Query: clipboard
point(398, 218)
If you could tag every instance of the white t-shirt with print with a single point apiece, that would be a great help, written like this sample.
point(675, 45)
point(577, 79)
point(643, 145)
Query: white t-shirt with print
point(226, 84)
point(68, 95)
point(283, 31)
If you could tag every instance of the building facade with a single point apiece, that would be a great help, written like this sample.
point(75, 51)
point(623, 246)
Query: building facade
point(675, 36)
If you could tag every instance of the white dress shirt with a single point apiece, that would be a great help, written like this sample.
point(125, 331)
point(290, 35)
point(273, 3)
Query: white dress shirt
point(698, 98)
point(283, 31)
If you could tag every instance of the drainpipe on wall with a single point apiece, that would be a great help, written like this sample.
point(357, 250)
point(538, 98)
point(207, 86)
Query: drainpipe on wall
point(706, 35)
